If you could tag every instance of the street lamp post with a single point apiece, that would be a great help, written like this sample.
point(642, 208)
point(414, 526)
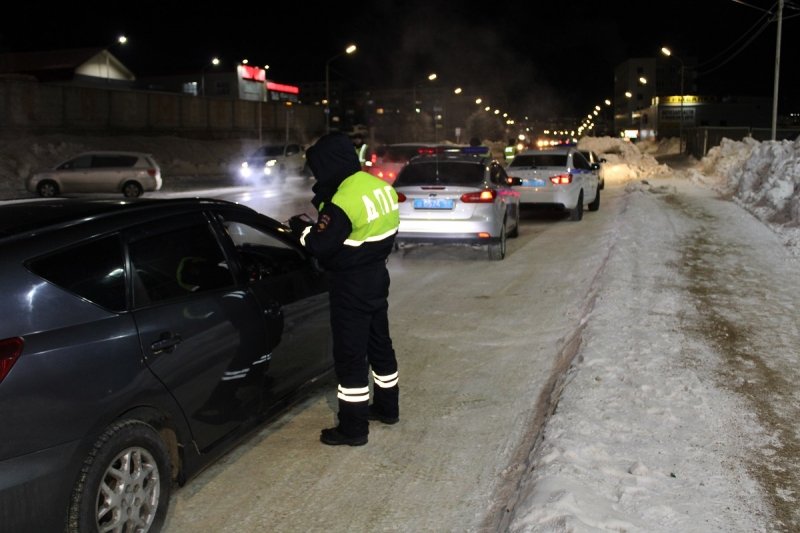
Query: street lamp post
point(667, 52)
point(347, 51)
point(214, 62)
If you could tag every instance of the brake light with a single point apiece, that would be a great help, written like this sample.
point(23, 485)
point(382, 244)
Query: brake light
point(10, 350)
point(485, 196)
point(151, 172)
point(401, 197)
point(561, 179)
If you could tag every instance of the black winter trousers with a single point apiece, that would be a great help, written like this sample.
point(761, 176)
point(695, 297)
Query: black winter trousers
point(361, 340)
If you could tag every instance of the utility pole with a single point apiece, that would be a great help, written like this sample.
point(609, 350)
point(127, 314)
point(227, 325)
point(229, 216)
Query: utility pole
point(777, 71)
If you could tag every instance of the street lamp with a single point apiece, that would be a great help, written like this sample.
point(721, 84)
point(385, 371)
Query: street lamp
point(214, 62)
point(347, 51)
point(667, 52)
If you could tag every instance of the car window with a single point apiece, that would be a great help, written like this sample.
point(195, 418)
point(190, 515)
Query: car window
point(578, 161)
point(113, 161)
point(441, 172)
point(539, 160)
point(84, 161)
point(292, 149)
point(257, 248)
point(176, 263)
point(94, 271)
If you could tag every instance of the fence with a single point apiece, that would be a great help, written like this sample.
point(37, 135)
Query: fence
point(700, 140)
point(30, 107)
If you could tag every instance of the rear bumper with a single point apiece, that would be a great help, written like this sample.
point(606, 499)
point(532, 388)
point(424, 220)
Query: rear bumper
point(35, 489)
point(438, 238)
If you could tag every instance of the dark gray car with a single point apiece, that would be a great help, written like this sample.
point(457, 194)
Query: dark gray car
point(138, 340)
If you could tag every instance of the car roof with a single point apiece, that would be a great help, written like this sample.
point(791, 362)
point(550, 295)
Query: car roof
point(560, 150)
point(34, 215)
point(451, 158)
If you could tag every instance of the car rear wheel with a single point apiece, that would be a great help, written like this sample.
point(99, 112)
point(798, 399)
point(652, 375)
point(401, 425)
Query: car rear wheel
point(131, 189)
point(594, 205)
point(47, 189)
point(577, 212)
point(124, 484)
point(497, 250)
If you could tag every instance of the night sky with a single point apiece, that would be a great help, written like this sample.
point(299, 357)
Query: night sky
point(557, 55)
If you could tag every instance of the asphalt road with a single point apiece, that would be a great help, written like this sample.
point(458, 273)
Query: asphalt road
point(482, 345)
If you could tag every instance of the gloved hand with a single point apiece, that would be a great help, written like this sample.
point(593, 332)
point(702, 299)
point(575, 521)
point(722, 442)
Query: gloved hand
point(300, 222)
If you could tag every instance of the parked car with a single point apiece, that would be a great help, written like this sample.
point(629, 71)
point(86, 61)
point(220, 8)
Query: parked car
point(140, 340)
point(559, 176)
point(129, 173)
point(389, 159)
point(457, 198)
point(597, 163)
point(274, 160)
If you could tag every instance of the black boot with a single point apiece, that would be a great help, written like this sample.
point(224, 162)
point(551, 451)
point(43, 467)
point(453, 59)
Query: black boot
point(334, 437)
point(353, 425)
point(374, 414)
point(385, 405)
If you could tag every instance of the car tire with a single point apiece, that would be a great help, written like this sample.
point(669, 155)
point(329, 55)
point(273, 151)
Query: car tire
point(47, 189)
point(497, 250)
point(514, 233)
point(124, 483)
point(131, 189)
point(576, 213)
point(595, 204)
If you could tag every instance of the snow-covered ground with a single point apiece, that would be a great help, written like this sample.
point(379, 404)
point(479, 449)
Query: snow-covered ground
point(648, 435)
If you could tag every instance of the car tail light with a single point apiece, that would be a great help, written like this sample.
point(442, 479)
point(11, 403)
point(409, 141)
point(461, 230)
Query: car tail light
point(10, 350)
point(401, 197)
point(373, 158)
point(561, 179)
point(485, 196)
point(151, 172)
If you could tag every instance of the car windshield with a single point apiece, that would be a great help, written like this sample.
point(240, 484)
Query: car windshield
point(540, 160)
point(267, 151)
point(441, 173)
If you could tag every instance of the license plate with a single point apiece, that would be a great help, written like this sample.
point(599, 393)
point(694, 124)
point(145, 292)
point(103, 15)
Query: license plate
point(533, 182)
point(433, 203)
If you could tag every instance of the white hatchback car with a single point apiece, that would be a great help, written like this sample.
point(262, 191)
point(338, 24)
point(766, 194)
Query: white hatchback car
point(129, 173)
point(559, 177)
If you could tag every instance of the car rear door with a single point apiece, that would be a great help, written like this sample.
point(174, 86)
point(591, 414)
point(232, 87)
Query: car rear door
point(201, 334)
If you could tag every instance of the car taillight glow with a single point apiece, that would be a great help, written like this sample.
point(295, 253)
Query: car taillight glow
point(426, 151)
point(561, 179)
point(151, 172)
point(10, 350)
point(485, 196)
point(401, 197)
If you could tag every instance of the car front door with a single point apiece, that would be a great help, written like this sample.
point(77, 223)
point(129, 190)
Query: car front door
point(294, 297)
point(202, 335)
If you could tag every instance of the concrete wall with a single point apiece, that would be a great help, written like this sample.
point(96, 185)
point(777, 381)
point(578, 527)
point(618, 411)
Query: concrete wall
point(30, 107)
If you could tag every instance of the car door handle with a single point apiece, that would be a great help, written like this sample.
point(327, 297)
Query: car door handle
point(166, 343)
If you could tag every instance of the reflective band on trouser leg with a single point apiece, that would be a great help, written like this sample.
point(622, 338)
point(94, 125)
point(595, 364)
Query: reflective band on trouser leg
point(385, 382)
point(360, 394)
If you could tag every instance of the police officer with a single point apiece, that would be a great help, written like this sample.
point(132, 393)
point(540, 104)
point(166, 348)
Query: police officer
point(353, 236)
